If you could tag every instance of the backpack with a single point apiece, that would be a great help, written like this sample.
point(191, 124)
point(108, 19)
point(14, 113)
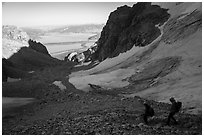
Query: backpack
point(151, 112)
point(178, 106)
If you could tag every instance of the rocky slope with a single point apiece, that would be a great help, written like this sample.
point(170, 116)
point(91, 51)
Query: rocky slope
point(169, 66)
point(128, 26)
point(92, 114)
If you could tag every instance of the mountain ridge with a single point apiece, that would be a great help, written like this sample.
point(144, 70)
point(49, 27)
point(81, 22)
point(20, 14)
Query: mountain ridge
point(128, 26)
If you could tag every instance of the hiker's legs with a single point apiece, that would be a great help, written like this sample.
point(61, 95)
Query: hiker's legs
point(171, 116)
point(174, 120)
point(145, 118)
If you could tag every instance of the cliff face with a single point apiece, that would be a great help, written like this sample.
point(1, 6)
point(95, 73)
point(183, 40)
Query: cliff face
point(128, 26)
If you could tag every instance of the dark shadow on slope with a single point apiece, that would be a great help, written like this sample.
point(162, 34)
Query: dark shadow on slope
point(28, 59)
point(9, 70)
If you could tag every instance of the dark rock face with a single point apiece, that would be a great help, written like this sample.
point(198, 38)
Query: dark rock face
point(9, 70)
point(37, 46)
point(28, 59)
point(4, 70)
point(128, 26)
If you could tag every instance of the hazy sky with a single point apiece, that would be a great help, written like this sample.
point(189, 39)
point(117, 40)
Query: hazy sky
point(52, 13)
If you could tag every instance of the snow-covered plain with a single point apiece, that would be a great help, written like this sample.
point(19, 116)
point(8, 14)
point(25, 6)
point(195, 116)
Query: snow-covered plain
point(59, 42)
point(64, 37)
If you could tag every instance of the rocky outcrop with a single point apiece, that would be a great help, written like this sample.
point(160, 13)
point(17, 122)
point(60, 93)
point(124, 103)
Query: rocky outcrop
point(128, 26)
point(37, 46)
point(80, 57)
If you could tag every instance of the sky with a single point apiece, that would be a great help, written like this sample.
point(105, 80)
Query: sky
point(23, 14)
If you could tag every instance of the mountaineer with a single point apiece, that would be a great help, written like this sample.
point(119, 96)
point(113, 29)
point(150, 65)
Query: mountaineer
point(175, 107)
point(149, 112)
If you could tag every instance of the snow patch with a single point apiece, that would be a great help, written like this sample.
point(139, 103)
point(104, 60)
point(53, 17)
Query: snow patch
point(183, 16)
point(12, 79)
point(83, 64)
point(60, 85)
point(31, 72)
point(15, 100)
point(113, 79)
point(110, 62)
point(71, 55)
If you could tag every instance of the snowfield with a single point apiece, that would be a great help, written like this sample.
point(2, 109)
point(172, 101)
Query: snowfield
point(112, 79)
point(184, 83)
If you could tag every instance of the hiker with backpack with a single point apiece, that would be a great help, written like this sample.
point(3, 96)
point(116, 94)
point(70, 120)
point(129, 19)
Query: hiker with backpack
point(175, 107)
point(149, 112)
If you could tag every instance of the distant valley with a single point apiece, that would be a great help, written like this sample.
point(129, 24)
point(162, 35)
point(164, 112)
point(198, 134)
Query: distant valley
point(60, 39)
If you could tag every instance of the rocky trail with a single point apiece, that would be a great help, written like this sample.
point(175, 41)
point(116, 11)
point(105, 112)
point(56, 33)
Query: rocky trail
point(89, 113)
point(75, 112)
